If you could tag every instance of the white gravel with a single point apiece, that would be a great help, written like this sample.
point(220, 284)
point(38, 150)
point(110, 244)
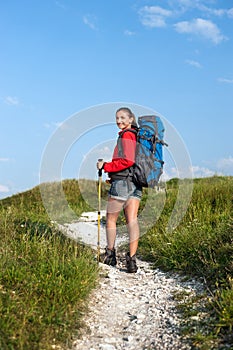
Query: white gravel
point(130, 311)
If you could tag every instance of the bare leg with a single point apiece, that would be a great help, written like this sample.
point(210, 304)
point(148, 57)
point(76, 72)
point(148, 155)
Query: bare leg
point(131, 210)
point(113, 210)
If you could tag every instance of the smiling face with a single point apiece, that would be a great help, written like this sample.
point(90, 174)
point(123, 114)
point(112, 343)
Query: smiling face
point(123, 120)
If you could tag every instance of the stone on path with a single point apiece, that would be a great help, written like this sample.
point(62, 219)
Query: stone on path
point(129, 311)
point(134, 311)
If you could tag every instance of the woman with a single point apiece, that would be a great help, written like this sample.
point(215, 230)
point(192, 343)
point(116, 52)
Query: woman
point(123, 192)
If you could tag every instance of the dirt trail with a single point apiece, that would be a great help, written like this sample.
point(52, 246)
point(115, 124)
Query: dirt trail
point(130, 311)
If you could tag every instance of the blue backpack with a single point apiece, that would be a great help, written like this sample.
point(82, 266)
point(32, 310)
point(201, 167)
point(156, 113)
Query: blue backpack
point(149, 162)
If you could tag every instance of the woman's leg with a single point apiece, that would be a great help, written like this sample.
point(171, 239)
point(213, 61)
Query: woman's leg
point(131, 211)
point(114, 207)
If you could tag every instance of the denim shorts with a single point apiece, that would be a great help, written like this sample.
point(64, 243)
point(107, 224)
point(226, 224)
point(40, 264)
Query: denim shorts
point(123, 190)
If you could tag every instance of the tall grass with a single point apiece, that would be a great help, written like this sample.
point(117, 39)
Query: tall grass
point(45, 278)
point(201, 246)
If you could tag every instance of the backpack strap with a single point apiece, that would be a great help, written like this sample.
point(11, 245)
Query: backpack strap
point(119, 141)
point(127, 173)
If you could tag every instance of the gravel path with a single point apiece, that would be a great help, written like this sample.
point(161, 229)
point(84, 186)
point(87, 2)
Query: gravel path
point(131, 311)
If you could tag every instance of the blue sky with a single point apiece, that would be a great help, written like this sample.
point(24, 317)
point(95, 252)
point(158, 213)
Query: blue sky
point(59, 57)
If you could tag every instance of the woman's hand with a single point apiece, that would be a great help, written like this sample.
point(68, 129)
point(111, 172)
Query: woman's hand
point(100, 164)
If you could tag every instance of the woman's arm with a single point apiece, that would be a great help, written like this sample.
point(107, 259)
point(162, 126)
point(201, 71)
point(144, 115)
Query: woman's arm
point(127, 159)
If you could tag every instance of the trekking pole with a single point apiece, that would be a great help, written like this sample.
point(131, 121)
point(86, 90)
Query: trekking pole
point(99, 209)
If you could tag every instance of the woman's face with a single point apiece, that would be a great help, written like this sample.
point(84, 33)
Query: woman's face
point(123, 120)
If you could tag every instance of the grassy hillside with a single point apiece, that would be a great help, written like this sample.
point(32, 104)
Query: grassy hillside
point(200, 246)
point(45, 278)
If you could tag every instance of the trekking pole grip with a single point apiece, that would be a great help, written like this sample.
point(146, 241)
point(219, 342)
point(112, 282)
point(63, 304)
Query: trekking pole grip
point(100, 170)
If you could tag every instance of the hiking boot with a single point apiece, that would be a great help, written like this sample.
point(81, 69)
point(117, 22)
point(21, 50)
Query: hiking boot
point(131, 263)
point(110, 257)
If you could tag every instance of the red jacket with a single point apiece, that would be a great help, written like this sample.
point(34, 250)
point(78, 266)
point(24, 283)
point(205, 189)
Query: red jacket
point(129, 149)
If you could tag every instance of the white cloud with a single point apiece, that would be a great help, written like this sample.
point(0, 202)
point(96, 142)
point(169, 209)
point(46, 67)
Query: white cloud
point(185, 3)
point(211, 11)
point(60, 5)
point(4, 189)
point(194, 63)
point(195, 171)
point(4, 159)
point(129, 33)
point(199, 171)
point(154, 16)
point(169, 173)
point(173, 171)
point(201, 27)
point(91, 21)
point(225, 165)
point(47, 125)
point(10, 100)
point(201, 5)
point(216, 12)
point(106, 153)
point(226, 81)
point(230, 13)
point(183, 6)
point(88, 166)
point(53, 125)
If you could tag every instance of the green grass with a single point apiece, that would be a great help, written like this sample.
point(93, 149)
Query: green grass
point(200, 246)
point(45, 278)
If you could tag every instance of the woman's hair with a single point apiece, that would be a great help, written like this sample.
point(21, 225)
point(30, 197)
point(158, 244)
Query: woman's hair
point(130, 114)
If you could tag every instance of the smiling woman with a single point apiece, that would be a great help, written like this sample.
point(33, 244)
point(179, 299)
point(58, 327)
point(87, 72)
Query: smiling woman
point(65, 50)
point(124, 193)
